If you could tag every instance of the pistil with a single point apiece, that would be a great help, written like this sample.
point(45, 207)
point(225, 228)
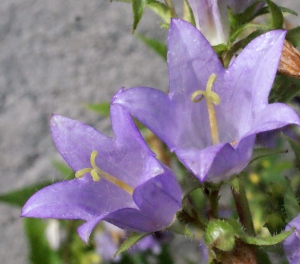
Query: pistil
point(97, 174)
point(212, 99)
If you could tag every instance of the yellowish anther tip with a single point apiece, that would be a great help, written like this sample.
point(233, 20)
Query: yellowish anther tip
point(95, 176)
point(80, 173)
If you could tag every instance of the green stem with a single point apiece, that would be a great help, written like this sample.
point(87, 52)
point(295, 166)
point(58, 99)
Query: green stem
point(213, 198)
point(242, 206)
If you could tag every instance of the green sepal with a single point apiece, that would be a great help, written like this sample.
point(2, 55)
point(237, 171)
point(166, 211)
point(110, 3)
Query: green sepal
point(130, 241)
point(159, 47)
point(265, 152)
point(39, 248)
point(293, 36)
point(138, 7)
point(102, 108)
point(284, 89)
point(188, 13)
point(241, 28)
point(243, 18)
point(160, 9)
point(276, 15)
point(20, 196)
point(291, 205)
point(220, 48)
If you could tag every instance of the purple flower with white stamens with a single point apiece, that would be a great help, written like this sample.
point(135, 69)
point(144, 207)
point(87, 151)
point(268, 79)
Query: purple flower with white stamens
point(212, 114)
point(118, 179)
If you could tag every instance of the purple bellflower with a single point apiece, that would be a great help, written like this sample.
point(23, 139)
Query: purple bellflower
point(211, 19)
point(212, 114)
point(292, 244)
point(118, 179)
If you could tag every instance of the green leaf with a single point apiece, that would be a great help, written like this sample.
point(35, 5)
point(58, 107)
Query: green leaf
point(138, 7)
point(287, 10)
point(293, 36)
point(188, 13)
point(291, 205)
point(266, 10)
point(130, 241)
point(19, 197)
point(265, 152)
point(160, 9)
point(284, 89)
point(265, 241)
point(39, 248)
point(159, 47)
point(102, 108)
point(157, 7)
point(276, 15)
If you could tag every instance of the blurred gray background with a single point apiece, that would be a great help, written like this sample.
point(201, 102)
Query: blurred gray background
point(55, 56)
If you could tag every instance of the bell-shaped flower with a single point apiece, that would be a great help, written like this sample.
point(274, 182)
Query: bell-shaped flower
point(291, 245)
point(212, 114)
point(211, 18)
point(117, 179)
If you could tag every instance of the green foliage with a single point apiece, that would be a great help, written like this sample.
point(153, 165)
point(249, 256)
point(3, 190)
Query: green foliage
point(159, 47)
point(284, 89)
point(242, 28)
point(276, 15)
point(160, 9)
point(245, 17)
point(138, 7)
point(102, 108)
point(20, 196)
point(130, 241)
point(265, 241)
point(293, 36)
point(188, 13)
point(39, 248)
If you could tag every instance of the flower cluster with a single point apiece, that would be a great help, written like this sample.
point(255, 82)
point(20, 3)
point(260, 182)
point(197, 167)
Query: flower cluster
point(210, 119)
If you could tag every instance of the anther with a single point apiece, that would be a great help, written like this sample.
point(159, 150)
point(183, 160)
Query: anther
point(97, 174)
point(212, 99)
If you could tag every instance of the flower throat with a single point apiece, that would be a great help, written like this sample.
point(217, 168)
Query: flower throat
point(212, 99)
point(97, 174)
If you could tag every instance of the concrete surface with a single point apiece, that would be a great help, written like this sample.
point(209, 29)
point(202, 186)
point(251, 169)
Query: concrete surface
point(54, 56)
